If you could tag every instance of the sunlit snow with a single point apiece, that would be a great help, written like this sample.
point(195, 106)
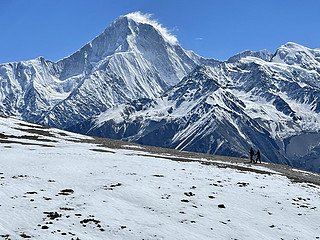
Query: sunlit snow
point(59, 185)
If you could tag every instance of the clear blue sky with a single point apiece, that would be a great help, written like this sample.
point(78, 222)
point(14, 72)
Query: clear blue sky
point(212, 28)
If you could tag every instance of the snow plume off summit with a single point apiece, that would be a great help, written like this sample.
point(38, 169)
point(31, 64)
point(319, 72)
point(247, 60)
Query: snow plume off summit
point(136, 83)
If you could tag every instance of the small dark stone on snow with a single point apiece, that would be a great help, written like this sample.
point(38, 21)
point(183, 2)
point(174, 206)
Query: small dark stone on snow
point(66, 191)
point(112, 186)
point(24, 235)
point(189, 194)
point(115, 185)
point(19, 176)
point(52, 215)
point(31, 193)
point(66, 209)
point(89, 220)
point(242, 184)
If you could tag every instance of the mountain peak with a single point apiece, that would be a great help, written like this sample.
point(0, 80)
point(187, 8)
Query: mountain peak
point(146, 18)
point(295, 54)
point(293, 45)
point(262, 54)
point(121, 35)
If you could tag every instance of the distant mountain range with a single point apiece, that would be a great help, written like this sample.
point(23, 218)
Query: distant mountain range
point(136, 83)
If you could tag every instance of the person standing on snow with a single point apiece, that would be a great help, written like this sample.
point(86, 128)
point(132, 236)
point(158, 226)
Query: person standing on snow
point(258, 156)
point(251, 152)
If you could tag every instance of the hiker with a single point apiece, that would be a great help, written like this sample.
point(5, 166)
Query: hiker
point(258, 156)
point(251, 152)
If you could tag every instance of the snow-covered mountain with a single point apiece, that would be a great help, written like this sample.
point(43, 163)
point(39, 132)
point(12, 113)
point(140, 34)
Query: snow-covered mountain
point(135, 82)
point(134, 57)
point(60, 185)
point(255, 99)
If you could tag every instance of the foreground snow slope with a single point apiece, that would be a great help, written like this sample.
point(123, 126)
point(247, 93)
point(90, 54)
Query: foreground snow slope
point(59, 185)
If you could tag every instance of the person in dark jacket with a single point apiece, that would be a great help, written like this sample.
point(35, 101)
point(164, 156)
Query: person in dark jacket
point(258, 157)
point(251, 152)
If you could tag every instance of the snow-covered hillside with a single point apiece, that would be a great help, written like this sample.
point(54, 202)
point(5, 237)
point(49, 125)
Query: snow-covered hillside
point(60, 185)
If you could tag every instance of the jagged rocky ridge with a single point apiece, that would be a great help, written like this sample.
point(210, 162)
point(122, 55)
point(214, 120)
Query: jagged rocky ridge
point(134, 82)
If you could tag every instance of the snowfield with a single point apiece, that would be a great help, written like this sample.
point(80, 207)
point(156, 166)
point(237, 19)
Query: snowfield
point(60, 185)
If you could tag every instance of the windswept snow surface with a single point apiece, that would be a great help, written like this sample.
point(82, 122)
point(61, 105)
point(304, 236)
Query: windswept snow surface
point(59, 185)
